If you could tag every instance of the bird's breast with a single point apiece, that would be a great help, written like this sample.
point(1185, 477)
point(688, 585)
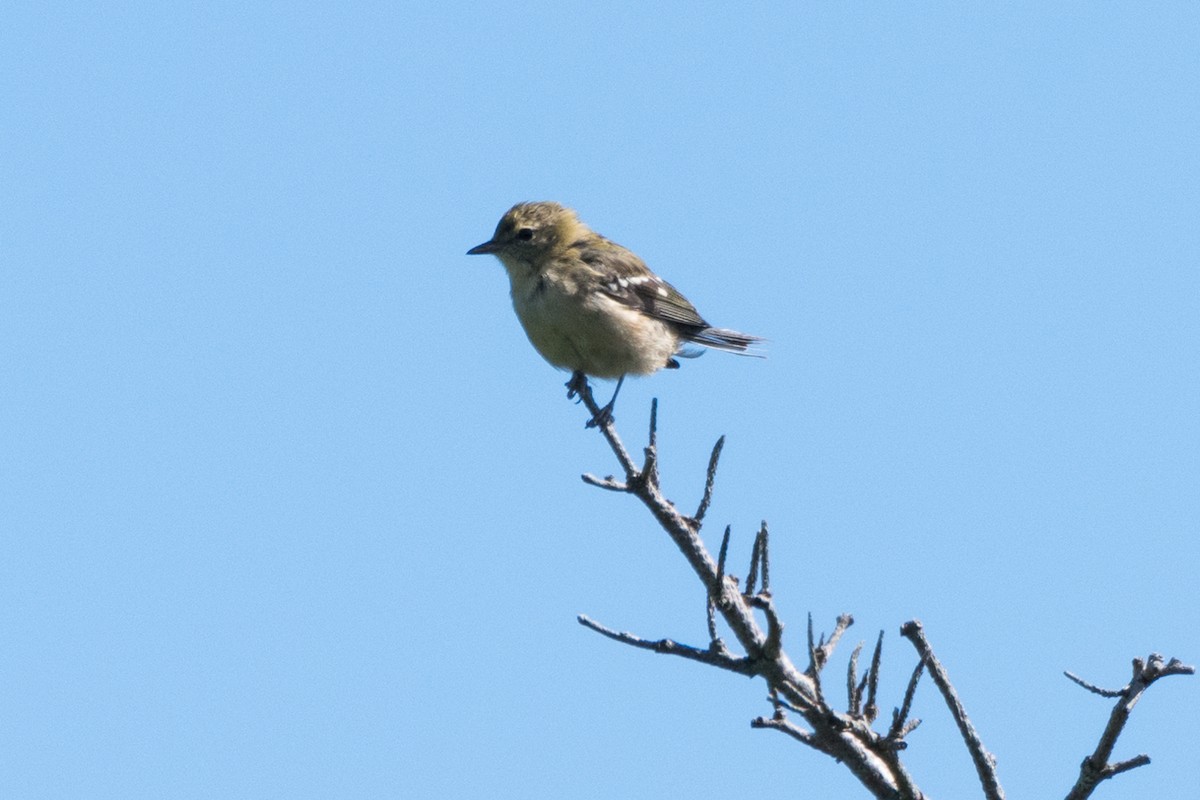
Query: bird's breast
point(584, 330)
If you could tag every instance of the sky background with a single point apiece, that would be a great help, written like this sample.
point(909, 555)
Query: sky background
point(289, 508)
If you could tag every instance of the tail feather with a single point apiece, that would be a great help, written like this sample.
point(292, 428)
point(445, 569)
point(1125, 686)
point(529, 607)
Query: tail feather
point(727, 340)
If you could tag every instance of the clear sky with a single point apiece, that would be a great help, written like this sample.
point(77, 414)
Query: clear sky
point(290, 509)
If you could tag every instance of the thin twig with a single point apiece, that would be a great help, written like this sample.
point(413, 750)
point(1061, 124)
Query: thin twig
point(722, 553)
point(608, 482)
point(908, 728)
point(710, 656)
point(814, 668)
point(1132, 763)
point(825, 651)
point(1091, 687)
point(650, 467)
point(652, 438)
point(709, 480)
point(711, 611)
point(985, 763)
point(774, 642)
point(776, 700)
point(578, 385)
point(899, 728)
point(781, 724)
point(764, 556)
point(755, 555)
point(871, 709)
point(853, 695)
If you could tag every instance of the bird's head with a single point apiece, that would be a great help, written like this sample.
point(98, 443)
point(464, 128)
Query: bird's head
point(529, 233)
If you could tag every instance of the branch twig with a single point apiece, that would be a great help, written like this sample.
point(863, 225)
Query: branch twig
point(781, 723)
point(853, 690)
point(1096, 768)
point(900, 725)
point(825, 650)
point(871, 710)
point(985, 762)
point(1093, 688)
point(710, 478)
point(715, 657)
point(607, 482)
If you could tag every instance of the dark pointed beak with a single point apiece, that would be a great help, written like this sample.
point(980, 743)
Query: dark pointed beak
point(483, 249)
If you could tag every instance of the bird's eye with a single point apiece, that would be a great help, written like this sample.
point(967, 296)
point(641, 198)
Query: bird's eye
point(525, 234)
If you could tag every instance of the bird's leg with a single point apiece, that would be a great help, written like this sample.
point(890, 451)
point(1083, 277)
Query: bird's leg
point(605, 415)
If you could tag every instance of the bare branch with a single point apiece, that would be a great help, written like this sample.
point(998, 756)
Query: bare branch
point(715, 657)
point(814, 668)
point(723, 552)
point(755, 557)
point(985, 762)
point(825, 650)
point(578, 385)
point(652, 438)
point(1096, 768)
point(899, 728)
point(778, 701)
point(908, 728)
point(774, 641)
point(1132, 763)
point(851, 746)
point(780, 723)
point(871, 710)
point(650, 467)
point(710, 478)
point(607, 482)
point(1091, 687)
point(853, 693)
point(849, 738)
point(711, 603)
point(764, 556)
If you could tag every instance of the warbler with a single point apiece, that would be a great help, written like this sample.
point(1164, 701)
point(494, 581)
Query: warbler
point(590, 305)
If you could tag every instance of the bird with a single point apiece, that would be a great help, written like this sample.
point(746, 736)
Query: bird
point(593, 307)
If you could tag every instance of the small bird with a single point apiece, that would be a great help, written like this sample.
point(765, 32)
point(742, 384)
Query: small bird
point(590, 305)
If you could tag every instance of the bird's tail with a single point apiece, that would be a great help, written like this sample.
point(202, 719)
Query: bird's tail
point(729, 341)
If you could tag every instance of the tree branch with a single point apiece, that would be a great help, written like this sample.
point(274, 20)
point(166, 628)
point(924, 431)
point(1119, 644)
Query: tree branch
point(871, 710)
point(837, 734)
point(873, 757)
point(715, 657)
point(607, 482)
point(985, 762)
point(710, 478)
point(1096, 768)
point(901, 727)
point(780, 723)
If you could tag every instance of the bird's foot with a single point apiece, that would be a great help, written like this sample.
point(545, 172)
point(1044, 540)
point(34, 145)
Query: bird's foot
point(603, 417)
point(577, 389)
point(577, 385)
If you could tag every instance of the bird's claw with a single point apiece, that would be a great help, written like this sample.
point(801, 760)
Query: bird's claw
point(603, 417)
point(576, 385)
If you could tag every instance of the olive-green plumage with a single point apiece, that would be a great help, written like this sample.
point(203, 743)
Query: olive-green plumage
point(590, 305)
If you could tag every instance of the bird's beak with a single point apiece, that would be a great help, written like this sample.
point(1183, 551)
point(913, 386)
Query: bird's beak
point(483, 249)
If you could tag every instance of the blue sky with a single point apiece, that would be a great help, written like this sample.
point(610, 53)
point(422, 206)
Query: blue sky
point(291, 508)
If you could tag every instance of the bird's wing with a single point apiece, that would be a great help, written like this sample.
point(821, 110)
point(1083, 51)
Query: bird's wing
point(625, 277)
